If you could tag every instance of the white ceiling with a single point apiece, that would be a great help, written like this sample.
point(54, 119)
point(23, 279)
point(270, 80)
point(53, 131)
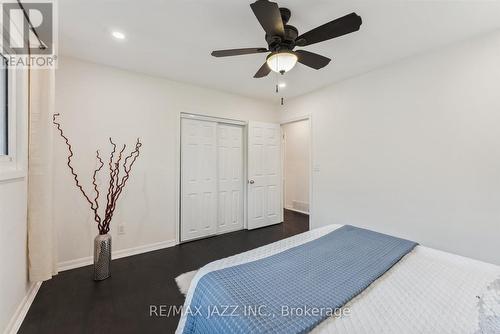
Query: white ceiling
point(174, 38)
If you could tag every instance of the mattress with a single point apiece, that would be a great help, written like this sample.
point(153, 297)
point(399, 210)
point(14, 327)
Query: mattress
point(428, 291)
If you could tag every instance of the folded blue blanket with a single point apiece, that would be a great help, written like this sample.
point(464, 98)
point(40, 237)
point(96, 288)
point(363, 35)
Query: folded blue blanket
point(293, 291)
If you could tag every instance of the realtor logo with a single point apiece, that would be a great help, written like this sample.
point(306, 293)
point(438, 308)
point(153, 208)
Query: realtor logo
point(29, 33)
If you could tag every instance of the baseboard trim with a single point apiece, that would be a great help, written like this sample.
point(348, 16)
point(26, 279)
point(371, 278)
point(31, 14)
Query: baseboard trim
point(21, 311)
point(85, 261)
point(299, 211)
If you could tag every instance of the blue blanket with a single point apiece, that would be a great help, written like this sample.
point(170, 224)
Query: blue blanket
point(293, 291)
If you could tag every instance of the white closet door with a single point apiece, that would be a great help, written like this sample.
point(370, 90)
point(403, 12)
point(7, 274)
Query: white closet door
point(198, 179)
point(264, 174)
point(230, 177)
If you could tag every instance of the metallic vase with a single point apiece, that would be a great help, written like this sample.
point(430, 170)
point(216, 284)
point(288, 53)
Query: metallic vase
point(102, 257)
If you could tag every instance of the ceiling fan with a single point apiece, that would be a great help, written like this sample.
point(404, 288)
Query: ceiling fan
point(282, 38)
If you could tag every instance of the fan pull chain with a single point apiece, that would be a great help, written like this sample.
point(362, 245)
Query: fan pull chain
point(277, 89)
point(277, 83)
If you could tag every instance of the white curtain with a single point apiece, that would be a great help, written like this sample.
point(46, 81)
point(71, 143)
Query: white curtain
point(42, 248)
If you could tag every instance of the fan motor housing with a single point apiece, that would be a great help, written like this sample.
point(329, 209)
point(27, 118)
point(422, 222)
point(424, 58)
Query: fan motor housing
point(287, 42)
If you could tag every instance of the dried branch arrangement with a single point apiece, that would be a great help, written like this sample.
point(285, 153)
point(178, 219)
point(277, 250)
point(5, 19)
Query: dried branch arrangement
point(118, 164)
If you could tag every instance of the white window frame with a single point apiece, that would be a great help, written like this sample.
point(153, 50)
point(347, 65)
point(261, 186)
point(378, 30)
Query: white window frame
point(11, 117)
point(12, 164)
point(9, 164)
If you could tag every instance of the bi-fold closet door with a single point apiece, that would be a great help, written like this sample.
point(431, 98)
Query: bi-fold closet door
point(212, 177)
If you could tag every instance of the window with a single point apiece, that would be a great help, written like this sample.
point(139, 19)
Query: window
point(4, 110)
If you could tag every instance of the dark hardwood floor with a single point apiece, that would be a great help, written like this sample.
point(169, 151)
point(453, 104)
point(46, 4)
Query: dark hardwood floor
point(73, 303)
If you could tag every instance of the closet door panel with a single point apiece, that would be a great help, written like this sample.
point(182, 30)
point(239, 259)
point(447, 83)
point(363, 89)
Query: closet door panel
point(230, 177)
point(198, 179)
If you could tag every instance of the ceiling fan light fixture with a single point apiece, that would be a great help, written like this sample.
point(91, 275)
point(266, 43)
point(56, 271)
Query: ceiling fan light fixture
point(282, 38)
point(281, 61)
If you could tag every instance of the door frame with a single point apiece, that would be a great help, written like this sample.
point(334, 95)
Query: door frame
point(307, 117)
point(178, 165)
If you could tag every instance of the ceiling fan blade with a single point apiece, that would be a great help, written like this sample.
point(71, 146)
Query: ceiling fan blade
point(269, 16)
point(263, 71)
point(238, 52)
point(339, 27)
point(311, 59)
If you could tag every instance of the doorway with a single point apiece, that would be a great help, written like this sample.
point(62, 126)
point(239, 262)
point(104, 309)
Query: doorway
point(297, 166)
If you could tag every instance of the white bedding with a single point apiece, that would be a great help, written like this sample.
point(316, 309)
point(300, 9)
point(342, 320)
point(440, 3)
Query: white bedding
point(428, 291)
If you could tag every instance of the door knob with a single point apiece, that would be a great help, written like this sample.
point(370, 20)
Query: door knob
point(251, 181)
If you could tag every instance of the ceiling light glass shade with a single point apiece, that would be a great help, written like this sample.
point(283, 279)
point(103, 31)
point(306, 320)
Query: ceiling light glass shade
point(282, 61)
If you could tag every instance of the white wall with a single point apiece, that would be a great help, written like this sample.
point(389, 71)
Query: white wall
point(97, 102)
point(413, 149)
point(14, 275)
point(14, 284)
point(297, 165)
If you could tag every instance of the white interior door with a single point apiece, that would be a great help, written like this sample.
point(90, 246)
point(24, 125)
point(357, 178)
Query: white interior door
point(198, 179)
point(230, 178)
point(264, 174)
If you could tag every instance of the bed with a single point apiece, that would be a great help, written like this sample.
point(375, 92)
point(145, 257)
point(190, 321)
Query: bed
point(424, 291)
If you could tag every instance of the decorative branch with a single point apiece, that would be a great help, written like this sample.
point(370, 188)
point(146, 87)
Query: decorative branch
point(120, 184)
point(116, 182)
point(68, 162)
point(97, 218)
